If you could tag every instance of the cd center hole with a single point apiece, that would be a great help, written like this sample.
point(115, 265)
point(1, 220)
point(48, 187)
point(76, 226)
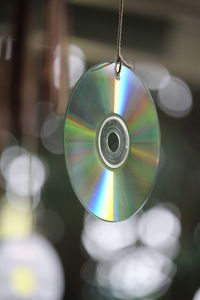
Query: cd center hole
point(113, 142)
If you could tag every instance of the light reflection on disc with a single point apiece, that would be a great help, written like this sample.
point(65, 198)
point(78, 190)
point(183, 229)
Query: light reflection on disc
point(111, 184)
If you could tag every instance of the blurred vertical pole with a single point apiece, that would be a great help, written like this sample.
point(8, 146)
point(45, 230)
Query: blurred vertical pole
point(20, 17)
point(12, 29)
point(38, 34)
point(55, 30)
point(43, 44)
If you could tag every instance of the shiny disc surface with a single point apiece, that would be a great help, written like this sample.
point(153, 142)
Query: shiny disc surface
point(112, 142)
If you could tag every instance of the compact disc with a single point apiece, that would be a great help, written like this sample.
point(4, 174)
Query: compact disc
point(112, 142)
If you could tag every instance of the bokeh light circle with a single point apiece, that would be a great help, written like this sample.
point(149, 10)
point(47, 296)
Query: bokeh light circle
point(136, 273)
point(175, 99)
point(76, 64)
point(102, 239)
point(160, 228)
point(197, 295)
point(154, 75)
point(52, 134)
point(25, 175)
point(30, 269)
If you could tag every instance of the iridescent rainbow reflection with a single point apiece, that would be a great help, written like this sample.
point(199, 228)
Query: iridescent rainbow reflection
point(111, 194)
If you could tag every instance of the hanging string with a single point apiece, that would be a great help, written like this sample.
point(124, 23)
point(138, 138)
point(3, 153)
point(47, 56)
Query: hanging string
point(120, 60)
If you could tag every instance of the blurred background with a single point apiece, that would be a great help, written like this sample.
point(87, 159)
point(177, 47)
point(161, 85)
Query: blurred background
point(50, 248)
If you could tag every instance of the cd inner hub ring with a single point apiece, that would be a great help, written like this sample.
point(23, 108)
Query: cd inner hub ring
point(113, 142)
